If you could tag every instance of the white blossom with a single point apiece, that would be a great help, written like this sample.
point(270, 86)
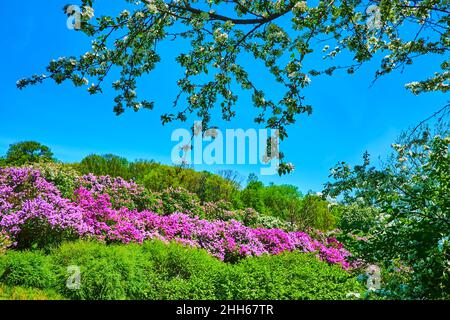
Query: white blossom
point(88, 12)
point(140, 14)
point(220, 36)
point(152, 8)
point(300, 7)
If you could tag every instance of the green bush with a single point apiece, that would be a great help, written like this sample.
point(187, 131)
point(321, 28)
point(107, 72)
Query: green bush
point(180, 200)
point(154, 270)
point(107, 272)
point(289, 276)
point(354, 218)
point(107, 164)
point(21, 293)
point(27, 269)
point(157, 270)
point(187, 273)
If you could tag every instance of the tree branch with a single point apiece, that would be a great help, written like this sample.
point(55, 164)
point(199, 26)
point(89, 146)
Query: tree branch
point(215, 16)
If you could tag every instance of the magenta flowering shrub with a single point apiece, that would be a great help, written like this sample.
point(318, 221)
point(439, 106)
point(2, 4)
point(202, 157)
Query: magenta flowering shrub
point(31, 207)
point(122, 193)
point(33, 211)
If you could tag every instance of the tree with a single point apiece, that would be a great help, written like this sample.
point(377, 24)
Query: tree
point(355, 218)
point(221, 35)
point(28, 152)
point(315, 213)
point(233, 176)
point(107, 164)
point(282, 201)
point(411, 236)
point(253, 195)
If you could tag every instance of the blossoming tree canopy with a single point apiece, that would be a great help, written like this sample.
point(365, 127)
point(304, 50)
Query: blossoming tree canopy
point(280, 34)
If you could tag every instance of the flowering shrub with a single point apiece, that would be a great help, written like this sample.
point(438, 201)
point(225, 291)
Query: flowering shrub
point(248, 216)
point(220, 210)
point(33, 212)
point(121, 193)
point(180, 200)
point(270, 222)
point(60, 175)
point(356, 218)
point(411, 192)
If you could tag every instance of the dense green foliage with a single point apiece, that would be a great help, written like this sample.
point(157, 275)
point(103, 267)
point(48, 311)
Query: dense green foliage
point(107, 164)
point(156, 270)
point(27, 152)
point(286, 203)
point(28, 269)
point(356, 218)
point(22, 293)
point(410, 236)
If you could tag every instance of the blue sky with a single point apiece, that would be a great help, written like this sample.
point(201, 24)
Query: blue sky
point(349, 116)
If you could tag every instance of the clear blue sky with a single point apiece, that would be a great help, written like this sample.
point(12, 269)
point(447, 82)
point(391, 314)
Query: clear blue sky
point(349, 117)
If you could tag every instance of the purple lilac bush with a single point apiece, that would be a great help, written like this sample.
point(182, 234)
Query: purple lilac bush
point(95, 211)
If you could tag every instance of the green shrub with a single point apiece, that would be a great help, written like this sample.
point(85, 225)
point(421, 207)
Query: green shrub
point(27, 269)
point(107, 272)
point(5, 242)
point(287, 276)
point(157, 270)
point(180, 200)
point(108, 164)
point(186, 273)
point(21, 293)
point(354, 218)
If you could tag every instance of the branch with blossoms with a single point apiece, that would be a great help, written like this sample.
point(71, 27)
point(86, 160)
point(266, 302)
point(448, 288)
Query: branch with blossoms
point(223, 35)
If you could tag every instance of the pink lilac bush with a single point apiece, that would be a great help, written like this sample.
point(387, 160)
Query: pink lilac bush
point(26, 197)
point(122, 193)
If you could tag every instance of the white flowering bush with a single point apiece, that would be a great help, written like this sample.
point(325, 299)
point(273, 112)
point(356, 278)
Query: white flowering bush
point(410, 235)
